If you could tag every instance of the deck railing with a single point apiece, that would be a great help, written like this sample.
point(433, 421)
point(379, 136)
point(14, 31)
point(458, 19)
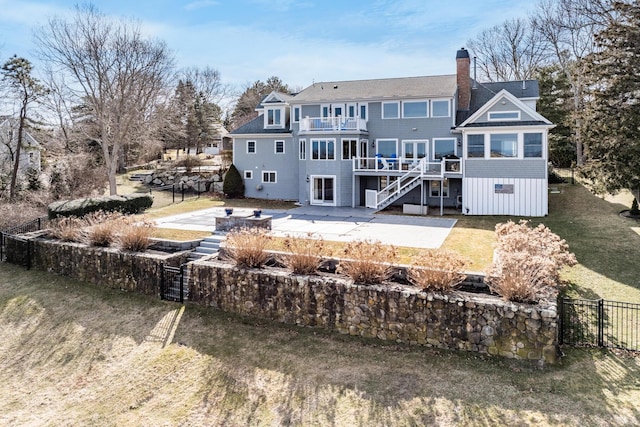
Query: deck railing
point(332, 124)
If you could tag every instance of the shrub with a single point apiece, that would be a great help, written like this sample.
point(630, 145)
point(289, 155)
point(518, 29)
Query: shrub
point(521, 278)
point(102, 228)
point(437, 270)
point(67, 229)
point(135, 237)
point(369, 262)
point(247, 247)
point(306, 254)
point(233, 186)
point(127, 204)
point(527, 256)
point(188, 162)
point(634, 208)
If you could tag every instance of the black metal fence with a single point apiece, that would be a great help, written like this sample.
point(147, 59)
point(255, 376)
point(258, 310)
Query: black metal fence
point(173, 286)
point(22, 247)
point(179, 191)
point(600, 323)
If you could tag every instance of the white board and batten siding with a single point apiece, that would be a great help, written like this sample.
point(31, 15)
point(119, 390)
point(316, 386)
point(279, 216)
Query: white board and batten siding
point(505, 196)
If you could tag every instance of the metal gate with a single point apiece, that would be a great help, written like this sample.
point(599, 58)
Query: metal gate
point(174, 286)
point(600, 323)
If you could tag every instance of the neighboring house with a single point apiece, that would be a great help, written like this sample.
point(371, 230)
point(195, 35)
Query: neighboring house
point(441, 141)
point(30, 153)
point(219, 142)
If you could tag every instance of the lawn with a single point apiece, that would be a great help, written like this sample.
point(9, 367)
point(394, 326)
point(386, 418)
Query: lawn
point(76, 354)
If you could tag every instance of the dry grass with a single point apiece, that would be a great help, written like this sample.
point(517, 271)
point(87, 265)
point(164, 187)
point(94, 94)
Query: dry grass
point(102, 228)
point(305, 255)
point(179, 235)
point(437, 270)
point(68, 229)
point(367, 262)
point(247, 247)
point(77, 354)
point(135, 237)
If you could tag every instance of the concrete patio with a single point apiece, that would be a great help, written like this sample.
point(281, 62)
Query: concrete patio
point(333, 224)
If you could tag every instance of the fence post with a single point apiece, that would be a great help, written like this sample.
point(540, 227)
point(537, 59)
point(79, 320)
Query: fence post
point(173, 193)
point(561, 321)
point(162, 280)
point(600, 323)
point(182, 283)
point(28, 254)
point(182, 190)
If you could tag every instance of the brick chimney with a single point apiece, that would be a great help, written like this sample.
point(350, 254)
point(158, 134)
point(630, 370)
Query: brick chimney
point(463, 69)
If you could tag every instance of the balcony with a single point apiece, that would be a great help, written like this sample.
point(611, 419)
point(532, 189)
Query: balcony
point(400, 165)
point(332, 124)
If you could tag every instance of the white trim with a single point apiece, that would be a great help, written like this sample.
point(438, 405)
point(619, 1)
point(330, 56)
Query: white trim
point(275, 146)
point(366, 110)
point(397, 103)
point(248, 174)
point(280, 123)
point(416, 101)
point(312, 200)
point(352, 155)
point(275, 177)
point(503, 119)
point(518, 103)
point(297, 108)
point(447, 100)
point(255, 146)
point(433, 146)
point(414, 142)
point(327, 140)
point(386, 139)
point(302, 149)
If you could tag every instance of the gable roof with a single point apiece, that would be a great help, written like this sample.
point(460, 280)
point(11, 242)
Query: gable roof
point(504, 93)
point(482, 93)
point(377, 89)
point(8, 122)
point(256, 126)
point(274, 98)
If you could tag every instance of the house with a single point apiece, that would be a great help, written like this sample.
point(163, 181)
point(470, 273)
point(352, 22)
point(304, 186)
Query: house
point(443, 141)
point(30, 153)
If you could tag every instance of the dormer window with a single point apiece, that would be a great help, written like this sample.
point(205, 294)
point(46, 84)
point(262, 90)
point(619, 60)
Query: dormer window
point(274, 117)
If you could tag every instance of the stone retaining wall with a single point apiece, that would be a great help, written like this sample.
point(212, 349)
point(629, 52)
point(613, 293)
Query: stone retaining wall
point(109, 267)
point(460, 321)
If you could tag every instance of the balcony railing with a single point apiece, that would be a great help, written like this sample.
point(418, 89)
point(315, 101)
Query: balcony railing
point(402, 164)
point(332, 124)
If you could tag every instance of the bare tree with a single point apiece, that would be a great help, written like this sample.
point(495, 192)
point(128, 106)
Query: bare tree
point(16, 72)
point(112, 70)
point(510, 51)
point(569, 27)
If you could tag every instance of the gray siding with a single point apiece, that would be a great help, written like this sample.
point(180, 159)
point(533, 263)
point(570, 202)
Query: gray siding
point(265, 159)
point(505, 168)
point(508, 106)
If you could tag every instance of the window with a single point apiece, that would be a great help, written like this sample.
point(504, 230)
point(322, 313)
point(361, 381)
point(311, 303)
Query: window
point(443, 148)
point(248, 174)
point(413, 109)
point(325, 111)
point(296, 114)
point(504, 145)
point(303, 149)
point(269, 176)
point(390, 110)
point(351, 110)
point(475, 146)
point(323, 149)
point(435, 188)
point(30, 162)
point(274, 117)
point(279, 147)
point(349, 148)
point(387, 148)
point(338, 110)
point(440, 108)
point(504, 115)
point(251, 146)
point(532, 145)
point(363, 111)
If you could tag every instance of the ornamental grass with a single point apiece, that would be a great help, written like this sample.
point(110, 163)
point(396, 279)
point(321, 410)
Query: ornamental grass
point(305, 255)
point(368, 262)
point(437, 270)
point(247, 247)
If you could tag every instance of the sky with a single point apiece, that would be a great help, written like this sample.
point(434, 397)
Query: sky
point(301, 42)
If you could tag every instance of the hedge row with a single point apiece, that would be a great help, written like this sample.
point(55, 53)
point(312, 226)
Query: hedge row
point(127, 204)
